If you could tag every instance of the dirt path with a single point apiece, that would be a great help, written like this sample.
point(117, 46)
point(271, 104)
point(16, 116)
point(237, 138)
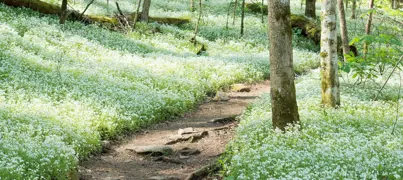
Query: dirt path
point(203, 146)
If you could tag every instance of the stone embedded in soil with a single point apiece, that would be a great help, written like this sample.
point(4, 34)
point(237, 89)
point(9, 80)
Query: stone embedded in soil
point(240, 88)
point(188, 137)
point(106, 146)
point(153, 149)
point(167, 159)
point(223, 120)
point(203, 172)
point(188, 130)
point(163, 178)
point(188, 152)
point(220, 96)
point(176, 139)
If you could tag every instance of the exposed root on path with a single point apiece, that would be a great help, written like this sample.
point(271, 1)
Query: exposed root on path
point(184, 149)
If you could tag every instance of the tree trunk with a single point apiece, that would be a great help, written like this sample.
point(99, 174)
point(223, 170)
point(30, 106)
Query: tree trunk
point(283, 96)
point(343, 28)
point(146, 10)
point(262, 11)
point(310, 9)
point(63, 12)
point(192, 5)
point(228, 14)
point(198, 23)
point(242, 16)
point(354, 6)
point(234, 16)
point(368, 26)
point(328, 54)
point(136, 16)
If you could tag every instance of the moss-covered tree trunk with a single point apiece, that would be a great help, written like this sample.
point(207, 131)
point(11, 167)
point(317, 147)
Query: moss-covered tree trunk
point(283, 98)
point(343, 28)
point(145, 11)
point(310, 10)
point(63, 12)
point(353, 7)
point(328, 53)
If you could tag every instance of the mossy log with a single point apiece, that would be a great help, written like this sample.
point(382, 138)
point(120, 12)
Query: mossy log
point(256, 8)
point(308, 27)
point(47, 8)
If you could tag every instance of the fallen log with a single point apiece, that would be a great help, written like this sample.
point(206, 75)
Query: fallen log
point(47, 8)
point(256, 8)
point(307, 26)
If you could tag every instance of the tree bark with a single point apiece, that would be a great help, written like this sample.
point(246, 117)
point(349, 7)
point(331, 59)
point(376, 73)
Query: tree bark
point(63, 12)
point(310, 10)
point(192, 5)
point(136, 16)
point(234, 15)
point(242, 16)
point(262, 11)
point(198, 23)
point(353, 7)
point(343, 28)
point(328, 54)
point(145, 11)
point(283, 96)
point(368, 26)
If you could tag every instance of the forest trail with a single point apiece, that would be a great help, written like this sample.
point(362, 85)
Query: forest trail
point(201, 143)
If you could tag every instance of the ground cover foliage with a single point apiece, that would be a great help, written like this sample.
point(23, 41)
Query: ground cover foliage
point(63, 89)
point(354, 141)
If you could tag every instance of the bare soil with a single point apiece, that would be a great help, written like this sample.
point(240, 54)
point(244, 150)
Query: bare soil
point(120, 163)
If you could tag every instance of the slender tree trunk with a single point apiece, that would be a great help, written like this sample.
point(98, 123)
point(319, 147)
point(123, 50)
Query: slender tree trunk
point(192, 5)
point(63, 12)
point(283, 96)
point(86, 8)
point(136, 17)
point(242, 16)
point(234, 15)
point(368, 26)
point(353, 7)
point(302, 4)
point(310, 9)
point(261, 11)
point(198, 23)
point(145, 11)
point(328, 54)
point(228, 14)
point(343, 28)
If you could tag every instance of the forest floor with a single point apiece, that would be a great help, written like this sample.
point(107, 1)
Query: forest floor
point(201, 143)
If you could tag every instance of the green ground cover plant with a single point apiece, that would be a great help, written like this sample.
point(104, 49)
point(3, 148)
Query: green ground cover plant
point(63, 89)
point(354, 141)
